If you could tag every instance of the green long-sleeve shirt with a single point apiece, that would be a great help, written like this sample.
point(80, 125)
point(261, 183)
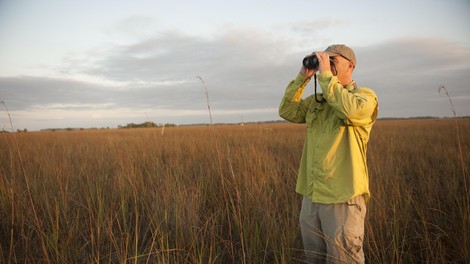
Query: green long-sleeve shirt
point(333, 167)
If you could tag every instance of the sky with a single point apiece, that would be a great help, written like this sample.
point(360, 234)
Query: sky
point(88, 63)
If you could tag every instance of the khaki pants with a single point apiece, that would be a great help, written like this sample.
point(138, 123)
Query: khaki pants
point(333, 233)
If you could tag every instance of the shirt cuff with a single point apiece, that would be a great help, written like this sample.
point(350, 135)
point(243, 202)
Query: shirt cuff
point(300, 79)
point(325, 75)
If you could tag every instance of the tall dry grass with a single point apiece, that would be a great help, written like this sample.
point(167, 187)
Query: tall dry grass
point(219, 194)
point(420, 210)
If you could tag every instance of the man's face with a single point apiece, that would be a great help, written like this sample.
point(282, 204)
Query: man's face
point(341, 67)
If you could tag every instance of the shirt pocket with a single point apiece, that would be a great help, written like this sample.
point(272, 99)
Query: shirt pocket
point(310, 118)
point(353, 240)
point(312, 115)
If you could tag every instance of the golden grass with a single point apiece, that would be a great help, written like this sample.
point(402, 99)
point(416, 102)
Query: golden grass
point(222, 194)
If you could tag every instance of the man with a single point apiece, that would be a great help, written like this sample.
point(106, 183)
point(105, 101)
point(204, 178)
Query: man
point(333, 176)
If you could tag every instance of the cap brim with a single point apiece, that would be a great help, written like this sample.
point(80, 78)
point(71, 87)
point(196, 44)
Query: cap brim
point(337, 54)
point(332, 53)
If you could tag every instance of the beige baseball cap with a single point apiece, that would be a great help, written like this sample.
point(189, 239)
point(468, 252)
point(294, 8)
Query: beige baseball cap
point(341, 50)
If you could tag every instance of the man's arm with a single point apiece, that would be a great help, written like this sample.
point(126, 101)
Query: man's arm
point(356, 107)
point(292, 107)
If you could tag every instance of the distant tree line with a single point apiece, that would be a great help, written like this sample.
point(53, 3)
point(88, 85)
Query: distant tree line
point(18, 130)
point(147, 124)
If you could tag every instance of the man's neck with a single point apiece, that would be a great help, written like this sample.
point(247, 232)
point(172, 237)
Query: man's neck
point(346, 82)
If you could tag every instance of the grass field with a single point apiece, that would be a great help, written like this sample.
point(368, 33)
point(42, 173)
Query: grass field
point(221, 194)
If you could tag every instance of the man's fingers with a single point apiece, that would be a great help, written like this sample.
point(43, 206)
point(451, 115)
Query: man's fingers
point(322, 56)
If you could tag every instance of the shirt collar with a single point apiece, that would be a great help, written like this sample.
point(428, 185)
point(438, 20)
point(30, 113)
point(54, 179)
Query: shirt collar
point(351, 86)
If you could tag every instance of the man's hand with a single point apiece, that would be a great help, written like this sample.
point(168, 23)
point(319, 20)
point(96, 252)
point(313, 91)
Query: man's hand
point(324, 65)
point(324, 60)
point(308, 73)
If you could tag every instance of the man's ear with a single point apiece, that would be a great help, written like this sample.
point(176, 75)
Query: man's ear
point(351, 65)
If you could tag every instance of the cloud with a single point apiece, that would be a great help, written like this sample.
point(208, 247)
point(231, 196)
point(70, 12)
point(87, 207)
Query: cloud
point(236, 64)
point(24, 92)
point(174, 55)
point(406, 74)
point(245, 71)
